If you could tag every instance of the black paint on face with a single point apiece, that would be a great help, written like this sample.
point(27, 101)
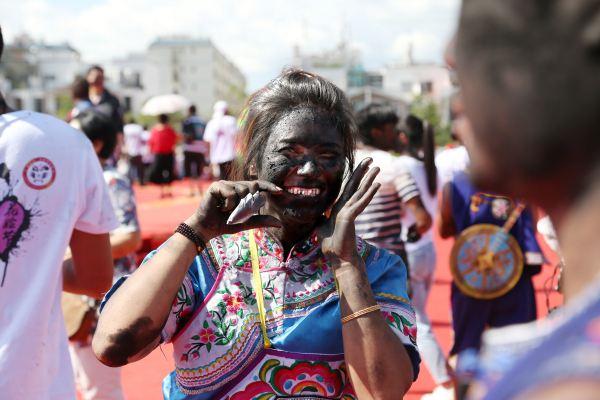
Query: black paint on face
point(305, 156)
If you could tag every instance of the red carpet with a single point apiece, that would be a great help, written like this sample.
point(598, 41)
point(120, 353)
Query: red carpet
point(159, 217)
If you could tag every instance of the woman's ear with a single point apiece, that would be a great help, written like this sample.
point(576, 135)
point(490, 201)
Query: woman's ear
point(403, 138)
point(98, 145)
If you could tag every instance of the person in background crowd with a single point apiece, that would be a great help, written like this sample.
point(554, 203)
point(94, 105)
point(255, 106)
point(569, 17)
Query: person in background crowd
point(79, 94)
point(221, 132)
point(310, 269)
point(195, 149)
point(454, 158)
point(106, 102)
point(147, 156)
point(531, 89)
point(463, 205)
point(380, 223)
point(99, 95)
point(418, 154)
point(134, 146)
point(52, 195)
point(95, 380)
point(163, 139)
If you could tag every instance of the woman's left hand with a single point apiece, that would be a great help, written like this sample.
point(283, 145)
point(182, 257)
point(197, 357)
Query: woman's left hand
point(337, 234)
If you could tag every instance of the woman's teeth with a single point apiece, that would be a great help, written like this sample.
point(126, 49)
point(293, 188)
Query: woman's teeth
point(304, 191)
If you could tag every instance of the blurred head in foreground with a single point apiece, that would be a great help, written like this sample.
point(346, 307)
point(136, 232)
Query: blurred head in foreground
point(530, 85)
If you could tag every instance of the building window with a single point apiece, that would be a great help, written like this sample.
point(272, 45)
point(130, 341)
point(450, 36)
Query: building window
point(127, 103)
point(427, 87)
point(38, 104)
point(375, 80)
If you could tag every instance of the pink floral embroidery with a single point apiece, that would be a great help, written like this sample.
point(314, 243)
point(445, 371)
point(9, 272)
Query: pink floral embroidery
point(233, 301)
point(388, 316)
point(402, 324)
point(207, 335)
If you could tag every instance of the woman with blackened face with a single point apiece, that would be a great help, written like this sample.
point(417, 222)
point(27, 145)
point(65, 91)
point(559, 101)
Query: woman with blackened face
point(292, 286)
point(304, 155)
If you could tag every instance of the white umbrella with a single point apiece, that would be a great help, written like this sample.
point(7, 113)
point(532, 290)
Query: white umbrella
point(165, 104)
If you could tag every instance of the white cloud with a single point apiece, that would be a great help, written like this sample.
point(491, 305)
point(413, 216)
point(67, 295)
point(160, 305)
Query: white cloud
point(257, 35)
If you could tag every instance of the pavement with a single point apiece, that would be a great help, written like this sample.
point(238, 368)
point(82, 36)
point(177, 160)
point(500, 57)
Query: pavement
point(159, 218)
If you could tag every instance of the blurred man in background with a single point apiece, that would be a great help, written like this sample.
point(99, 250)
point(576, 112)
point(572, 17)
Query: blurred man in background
point(134, 147)
point(221, 132)
point(103, 100)
point(195, 149)
point(380, 223)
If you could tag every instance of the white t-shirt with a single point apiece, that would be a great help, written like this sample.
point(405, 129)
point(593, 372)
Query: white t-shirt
point(134, 141)
point(416, 169)
point(50, 183)
point(221, 132)
point(449, 162)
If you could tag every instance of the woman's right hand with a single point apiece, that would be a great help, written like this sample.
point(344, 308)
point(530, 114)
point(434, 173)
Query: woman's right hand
point(221, 198)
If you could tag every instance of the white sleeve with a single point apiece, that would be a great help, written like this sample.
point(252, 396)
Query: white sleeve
point(209, 131)
point(96, 212)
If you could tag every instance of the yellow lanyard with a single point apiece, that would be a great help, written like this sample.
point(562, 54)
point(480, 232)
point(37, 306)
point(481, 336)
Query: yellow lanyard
point(258, 290)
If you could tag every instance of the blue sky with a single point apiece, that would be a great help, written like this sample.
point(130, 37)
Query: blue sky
point(257, 35)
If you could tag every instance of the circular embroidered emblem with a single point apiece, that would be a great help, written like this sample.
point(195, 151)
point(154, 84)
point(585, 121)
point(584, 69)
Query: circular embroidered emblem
point(39, 173)
point(501, 208)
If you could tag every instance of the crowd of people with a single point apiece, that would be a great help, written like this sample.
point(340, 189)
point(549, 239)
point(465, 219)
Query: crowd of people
point(321, 290)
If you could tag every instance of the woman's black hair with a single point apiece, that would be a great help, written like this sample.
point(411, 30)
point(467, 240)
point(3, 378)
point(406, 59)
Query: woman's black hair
point(421, 145)
point(80, 88)
point(163, 118)
point(374, 116)
point(293, 89)
point(98, 126)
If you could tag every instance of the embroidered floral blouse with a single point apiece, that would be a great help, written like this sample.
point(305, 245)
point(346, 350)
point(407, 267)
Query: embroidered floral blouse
point(215, 328)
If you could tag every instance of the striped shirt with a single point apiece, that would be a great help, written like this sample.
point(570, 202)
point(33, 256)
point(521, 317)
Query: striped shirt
point(381, 221)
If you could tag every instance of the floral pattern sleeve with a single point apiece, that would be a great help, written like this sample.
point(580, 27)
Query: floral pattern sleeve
point(184, 304)
point(187, 299)
point(388, 276)
point(181, 310)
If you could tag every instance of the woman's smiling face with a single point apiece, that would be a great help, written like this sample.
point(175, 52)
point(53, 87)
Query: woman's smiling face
point(304, 155)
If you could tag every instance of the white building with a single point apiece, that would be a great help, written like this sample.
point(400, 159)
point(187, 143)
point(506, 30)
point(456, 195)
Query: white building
point(39, 73)
point(125, 78)
point(359, 97)
point(409, 80)
point(196, 69)
point(37, 76)
point(333, 65)
point(57, 64)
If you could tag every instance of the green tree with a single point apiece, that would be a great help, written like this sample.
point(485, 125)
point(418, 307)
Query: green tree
point(64, 104)
point(428, 110)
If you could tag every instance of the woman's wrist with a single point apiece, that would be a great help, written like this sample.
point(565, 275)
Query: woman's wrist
point(194, 222)
point(354, 287)
point(353, 264)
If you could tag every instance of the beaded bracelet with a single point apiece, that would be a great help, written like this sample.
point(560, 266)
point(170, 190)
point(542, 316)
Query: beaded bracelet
point(359, 313)
point(187, 231)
